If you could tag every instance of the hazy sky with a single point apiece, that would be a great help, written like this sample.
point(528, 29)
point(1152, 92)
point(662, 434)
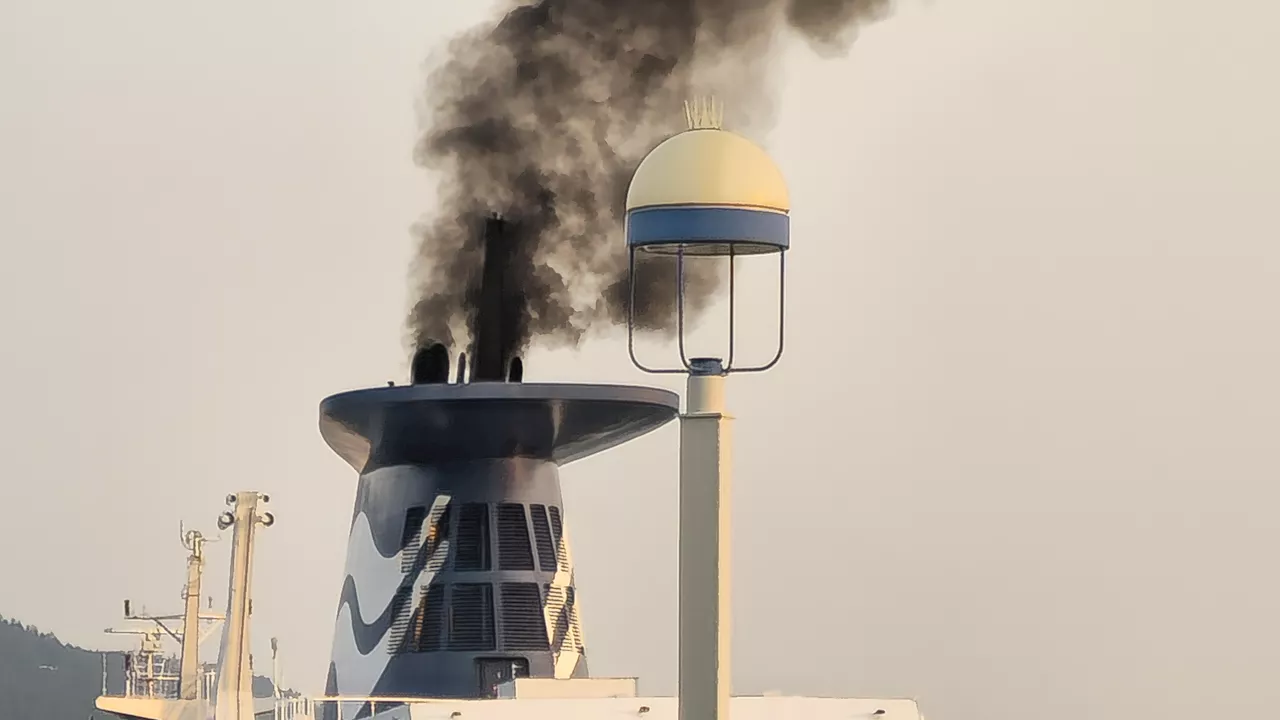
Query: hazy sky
point(1020, 460)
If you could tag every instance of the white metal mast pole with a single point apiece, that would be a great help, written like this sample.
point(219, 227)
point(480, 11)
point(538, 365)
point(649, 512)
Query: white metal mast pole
point(705, 484)
point(189, 683)
point(275, 668)
point(233, 694)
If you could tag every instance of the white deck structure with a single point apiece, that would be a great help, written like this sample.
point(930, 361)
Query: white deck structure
point(589, 699)
point(648, 708)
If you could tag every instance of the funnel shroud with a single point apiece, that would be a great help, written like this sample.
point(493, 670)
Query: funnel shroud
point(459, 574)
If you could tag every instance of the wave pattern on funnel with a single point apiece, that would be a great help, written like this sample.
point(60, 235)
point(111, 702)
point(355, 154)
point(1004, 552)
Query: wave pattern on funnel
point(459, 574)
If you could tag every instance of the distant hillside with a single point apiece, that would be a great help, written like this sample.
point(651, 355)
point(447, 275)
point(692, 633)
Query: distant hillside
point(43, 679)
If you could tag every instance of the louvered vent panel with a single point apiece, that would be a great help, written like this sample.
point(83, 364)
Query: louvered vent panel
point(411, 538)
point(557, 534)
point(565, 634)
point(575, 628)
point(523, 625)
point(401, 616)
point(514, 550)
point(428, 620)
point(471, 546)
point(437, 545)
point(471, 617)
point(542, 538)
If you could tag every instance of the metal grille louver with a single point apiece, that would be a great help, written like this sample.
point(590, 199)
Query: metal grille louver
point(557, 533)
point(523, 624)
point(411, 538)
point(471, 545)
point(426, 538)
point(514, 549)
point(471, 617)
point(565, 633)
point(402, 614)
point(428, 621)
point(575, 628)
point(542, 537)
point(437, 544)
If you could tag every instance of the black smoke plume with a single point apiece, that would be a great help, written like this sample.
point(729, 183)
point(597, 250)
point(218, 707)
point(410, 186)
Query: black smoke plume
point(543, 120)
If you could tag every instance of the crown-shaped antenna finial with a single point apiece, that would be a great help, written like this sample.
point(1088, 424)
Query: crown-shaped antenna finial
point(704, 113)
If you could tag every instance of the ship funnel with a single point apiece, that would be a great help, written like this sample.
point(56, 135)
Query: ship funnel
point(459, 574)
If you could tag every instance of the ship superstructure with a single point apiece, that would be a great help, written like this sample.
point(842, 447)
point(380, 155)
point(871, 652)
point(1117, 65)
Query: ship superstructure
point(196, 694)
point(151, 672)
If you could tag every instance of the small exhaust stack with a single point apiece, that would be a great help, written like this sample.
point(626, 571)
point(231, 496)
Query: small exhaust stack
point(492, 354)
point(462, 368)
point(430, 365)
point(492, 349)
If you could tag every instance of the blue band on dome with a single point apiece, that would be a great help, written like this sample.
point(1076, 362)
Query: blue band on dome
point(693, 225)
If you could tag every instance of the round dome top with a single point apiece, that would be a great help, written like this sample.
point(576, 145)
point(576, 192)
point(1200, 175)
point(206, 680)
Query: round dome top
point(708, 167)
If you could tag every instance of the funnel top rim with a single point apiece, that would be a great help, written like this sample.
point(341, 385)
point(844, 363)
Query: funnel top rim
point(436, 423)
point(453, 392)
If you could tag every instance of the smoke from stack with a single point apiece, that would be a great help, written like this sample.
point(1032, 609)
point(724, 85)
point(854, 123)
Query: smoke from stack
point(543, 120)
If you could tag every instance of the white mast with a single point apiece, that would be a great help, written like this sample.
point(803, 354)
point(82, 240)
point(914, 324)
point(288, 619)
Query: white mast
point(705, 585)
point(233, 697)
point(189, 684)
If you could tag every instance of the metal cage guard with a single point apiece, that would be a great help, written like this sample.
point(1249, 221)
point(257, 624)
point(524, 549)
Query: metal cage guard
point(686, 364)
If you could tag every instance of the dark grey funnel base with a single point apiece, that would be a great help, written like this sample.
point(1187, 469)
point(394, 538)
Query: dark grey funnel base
point(459, 572)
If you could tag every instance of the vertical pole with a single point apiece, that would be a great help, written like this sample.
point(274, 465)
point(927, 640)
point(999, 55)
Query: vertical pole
point(233, 699)
point(189, 672)
point(705, 618)
point(275, 676)
point(275, 668)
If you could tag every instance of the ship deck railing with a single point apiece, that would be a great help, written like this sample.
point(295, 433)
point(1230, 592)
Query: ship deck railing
point(304, 708)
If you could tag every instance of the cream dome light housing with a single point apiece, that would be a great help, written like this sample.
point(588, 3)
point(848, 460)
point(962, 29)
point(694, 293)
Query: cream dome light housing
point(708, 191)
